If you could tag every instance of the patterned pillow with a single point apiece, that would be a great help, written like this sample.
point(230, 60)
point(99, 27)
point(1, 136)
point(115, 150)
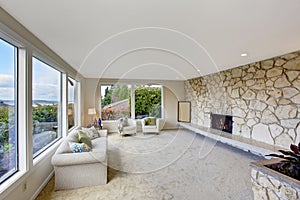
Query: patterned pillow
point(79, 147)
point(91, 132)
point(123, 122)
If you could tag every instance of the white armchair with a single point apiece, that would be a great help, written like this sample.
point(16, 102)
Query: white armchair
point(126, 126)
point(150, 125)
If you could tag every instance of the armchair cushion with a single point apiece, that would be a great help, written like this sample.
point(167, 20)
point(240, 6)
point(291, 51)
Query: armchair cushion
point(150, 125)
point(152, 121)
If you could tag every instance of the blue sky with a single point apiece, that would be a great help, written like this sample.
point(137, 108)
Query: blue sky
point(6, 71)
point(46, 80)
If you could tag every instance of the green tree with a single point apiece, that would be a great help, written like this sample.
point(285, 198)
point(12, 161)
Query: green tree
point(120, 92)
point(107, 97)
point(6, 127)
point(148, 101)
point(45, 113)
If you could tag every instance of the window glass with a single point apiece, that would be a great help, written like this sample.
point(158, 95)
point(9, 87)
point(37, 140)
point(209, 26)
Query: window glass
point(147, 101)
point(115, 101)
point(8, 110)
point(46, 105)
point(72, 102)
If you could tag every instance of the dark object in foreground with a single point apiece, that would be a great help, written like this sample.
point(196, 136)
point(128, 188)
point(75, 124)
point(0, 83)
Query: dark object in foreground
point(290, 164)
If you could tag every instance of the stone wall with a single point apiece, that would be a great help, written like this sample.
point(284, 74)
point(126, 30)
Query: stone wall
point(266, 187)
point(263, 97)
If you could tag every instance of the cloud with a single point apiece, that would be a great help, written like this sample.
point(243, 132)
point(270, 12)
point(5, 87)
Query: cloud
point(6, 81)
point(6, 93)
point(46, 92)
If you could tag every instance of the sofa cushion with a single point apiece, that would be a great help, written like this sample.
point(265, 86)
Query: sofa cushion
point(91, 132)
point(83, 138)
point(79, 147)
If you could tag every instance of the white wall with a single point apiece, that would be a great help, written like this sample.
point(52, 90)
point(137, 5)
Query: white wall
point(91, 98)
point(170, 109)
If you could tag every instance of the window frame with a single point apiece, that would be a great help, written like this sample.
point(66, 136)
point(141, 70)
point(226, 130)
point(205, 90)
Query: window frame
point(132, 95)
point(16, 46)
point(161, 98)
point(60, 122)
point(111, 85)
point(29, 47)
point(76, 104)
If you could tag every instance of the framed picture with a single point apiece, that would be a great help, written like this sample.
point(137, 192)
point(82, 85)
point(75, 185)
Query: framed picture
point(184, 111)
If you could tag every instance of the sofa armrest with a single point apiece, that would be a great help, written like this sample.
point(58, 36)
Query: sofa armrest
point(143, 123)
point(157, 124)
point(102, 134)
point(67, 159)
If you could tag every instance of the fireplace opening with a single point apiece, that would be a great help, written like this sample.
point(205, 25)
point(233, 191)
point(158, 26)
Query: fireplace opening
point(221, 122)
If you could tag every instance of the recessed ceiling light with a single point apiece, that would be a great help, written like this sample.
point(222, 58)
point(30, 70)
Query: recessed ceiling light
point(198, 70)
point(244, 54)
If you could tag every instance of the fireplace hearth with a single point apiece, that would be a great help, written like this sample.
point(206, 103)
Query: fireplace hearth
point(221, 122)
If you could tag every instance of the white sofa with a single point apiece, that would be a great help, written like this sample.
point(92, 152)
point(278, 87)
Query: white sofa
point(150, 128)
point(75, 170)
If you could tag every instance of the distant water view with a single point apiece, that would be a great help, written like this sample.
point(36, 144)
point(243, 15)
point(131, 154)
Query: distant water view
point(35, 102)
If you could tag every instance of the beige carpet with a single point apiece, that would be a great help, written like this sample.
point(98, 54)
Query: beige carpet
point(172, 165)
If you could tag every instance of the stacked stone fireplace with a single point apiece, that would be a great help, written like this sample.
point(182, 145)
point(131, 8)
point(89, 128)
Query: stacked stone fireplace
point(263, 97)
point(221, 122)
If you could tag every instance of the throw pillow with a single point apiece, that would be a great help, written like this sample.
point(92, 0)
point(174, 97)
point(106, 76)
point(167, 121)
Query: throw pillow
point(79, 147)
point(147, 121)
point(83, 138)
point(123, 122)
point(152, 121)
point(91, 132)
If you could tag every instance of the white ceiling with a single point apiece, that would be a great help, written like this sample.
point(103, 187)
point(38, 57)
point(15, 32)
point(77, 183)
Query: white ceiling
point(157, 39)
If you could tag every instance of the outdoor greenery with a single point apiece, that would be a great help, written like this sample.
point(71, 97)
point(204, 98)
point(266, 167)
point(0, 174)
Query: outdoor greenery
point(6, 118)
point(147, 101)
point(115, 93)
point(40, 113)
point(45, 113)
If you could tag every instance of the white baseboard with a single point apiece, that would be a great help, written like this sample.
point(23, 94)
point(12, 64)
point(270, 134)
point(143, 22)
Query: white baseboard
point(171, 128)
point(38, 191)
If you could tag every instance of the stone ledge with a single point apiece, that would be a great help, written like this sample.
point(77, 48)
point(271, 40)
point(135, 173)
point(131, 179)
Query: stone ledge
point(260, 166)
point(245, 144)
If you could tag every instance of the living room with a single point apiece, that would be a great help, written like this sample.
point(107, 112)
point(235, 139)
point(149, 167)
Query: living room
point(222, 62)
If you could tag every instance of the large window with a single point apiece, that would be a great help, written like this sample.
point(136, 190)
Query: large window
point(46, 105)
point(8, 108)
point(72, 102)
point(115, 101)
point(147, 101)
